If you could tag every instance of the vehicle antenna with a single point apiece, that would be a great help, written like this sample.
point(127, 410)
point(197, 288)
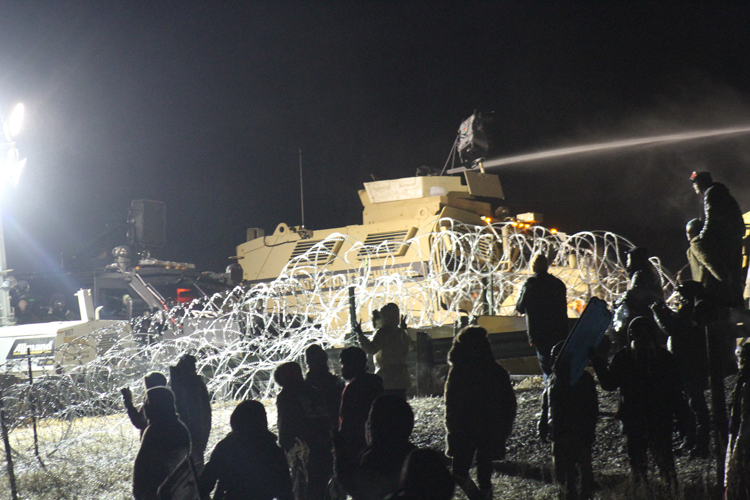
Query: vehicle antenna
point(301, 189)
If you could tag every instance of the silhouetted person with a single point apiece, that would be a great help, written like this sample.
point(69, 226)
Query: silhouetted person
point(644, 289)
point(378, 472)
point(738, 472)
point(247, 463)
point(687, 342)
point(543, 299)
point(138, 415)
point(390, 346)
point(718, 247)
point(304, 433)
point(424, 476)
point(193, 404)
point(573, 411)
point(650, 397)
point(327, 384)
point(480, 407)
point(165, 443)
point(58, 309)
point(356, 400)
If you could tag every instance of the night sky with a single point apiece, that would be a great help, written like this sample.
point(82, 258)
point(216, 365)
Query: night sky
point(204, 106)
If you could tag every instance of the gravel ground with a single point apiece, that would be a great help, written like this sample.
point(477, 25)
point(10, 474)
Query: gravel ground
point(526, 473)
point(96, 456)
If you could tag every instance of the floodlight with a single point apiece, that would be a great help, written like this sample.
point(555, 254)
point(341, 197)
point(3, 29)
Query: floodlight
point(472, 139)
point(16, 120)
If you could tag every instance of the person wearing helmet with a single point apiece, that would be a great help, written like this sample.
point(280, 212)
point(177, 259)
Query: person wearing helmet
point(650, 398)
point(571, 416)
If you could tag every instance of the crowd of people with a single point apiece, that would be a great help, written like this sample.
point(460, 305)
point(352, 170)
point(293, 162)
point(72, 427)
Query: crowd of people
point(350, 435)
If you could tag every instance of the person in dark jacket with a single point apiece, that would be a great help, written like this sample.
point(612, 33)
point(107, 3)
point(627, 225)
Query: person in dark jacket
point(718, 247)
point(738, 470)
point(247, 463)
point(326, 383)
point(138, 415)
point(356, 400)
point(543, 299)
point(687, 342)
point(644, 289)
point(424, 477)
point(304, 433)
point(165, 443)
point(480, 407)
point(390, 346)
point(650, 398)
point(193, 404)
point(378, 472)
point(573, 412)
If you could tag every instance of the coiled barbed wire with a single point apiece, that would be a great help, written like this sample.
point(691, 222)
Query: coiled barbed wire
point(239, 337)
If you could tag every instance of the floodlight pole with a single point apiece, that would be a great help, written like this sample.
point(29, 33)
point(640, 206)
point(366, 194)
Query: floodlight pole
point(8, 146)
point(5, 316)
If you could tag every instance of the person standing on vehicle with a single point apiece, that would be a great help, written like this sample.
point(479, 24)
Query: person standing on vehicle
point(543, 299)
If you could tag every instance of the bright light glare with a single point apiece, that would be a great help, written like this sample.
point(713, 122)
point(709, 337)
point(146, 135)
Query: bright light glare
point(16, 119)
point(13, 168)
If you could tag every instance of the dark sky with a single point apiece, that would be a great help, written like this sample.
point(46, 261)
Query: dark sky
point(204, 106)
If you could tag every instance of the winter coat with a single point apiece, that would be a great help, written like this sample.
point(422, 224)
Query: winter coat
point(165, 443)
point(719, 245)
point(573, 411)
point(687, 342)
point(378, 473)
point(480, 404)
point(390, 345)
point(543, 299)
point(193, 406)
point(330, 387)
point(356, 400)
point(738, 470)
point(247, 467)
point(644, 290)
point(301, 415)
point(650, 390)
